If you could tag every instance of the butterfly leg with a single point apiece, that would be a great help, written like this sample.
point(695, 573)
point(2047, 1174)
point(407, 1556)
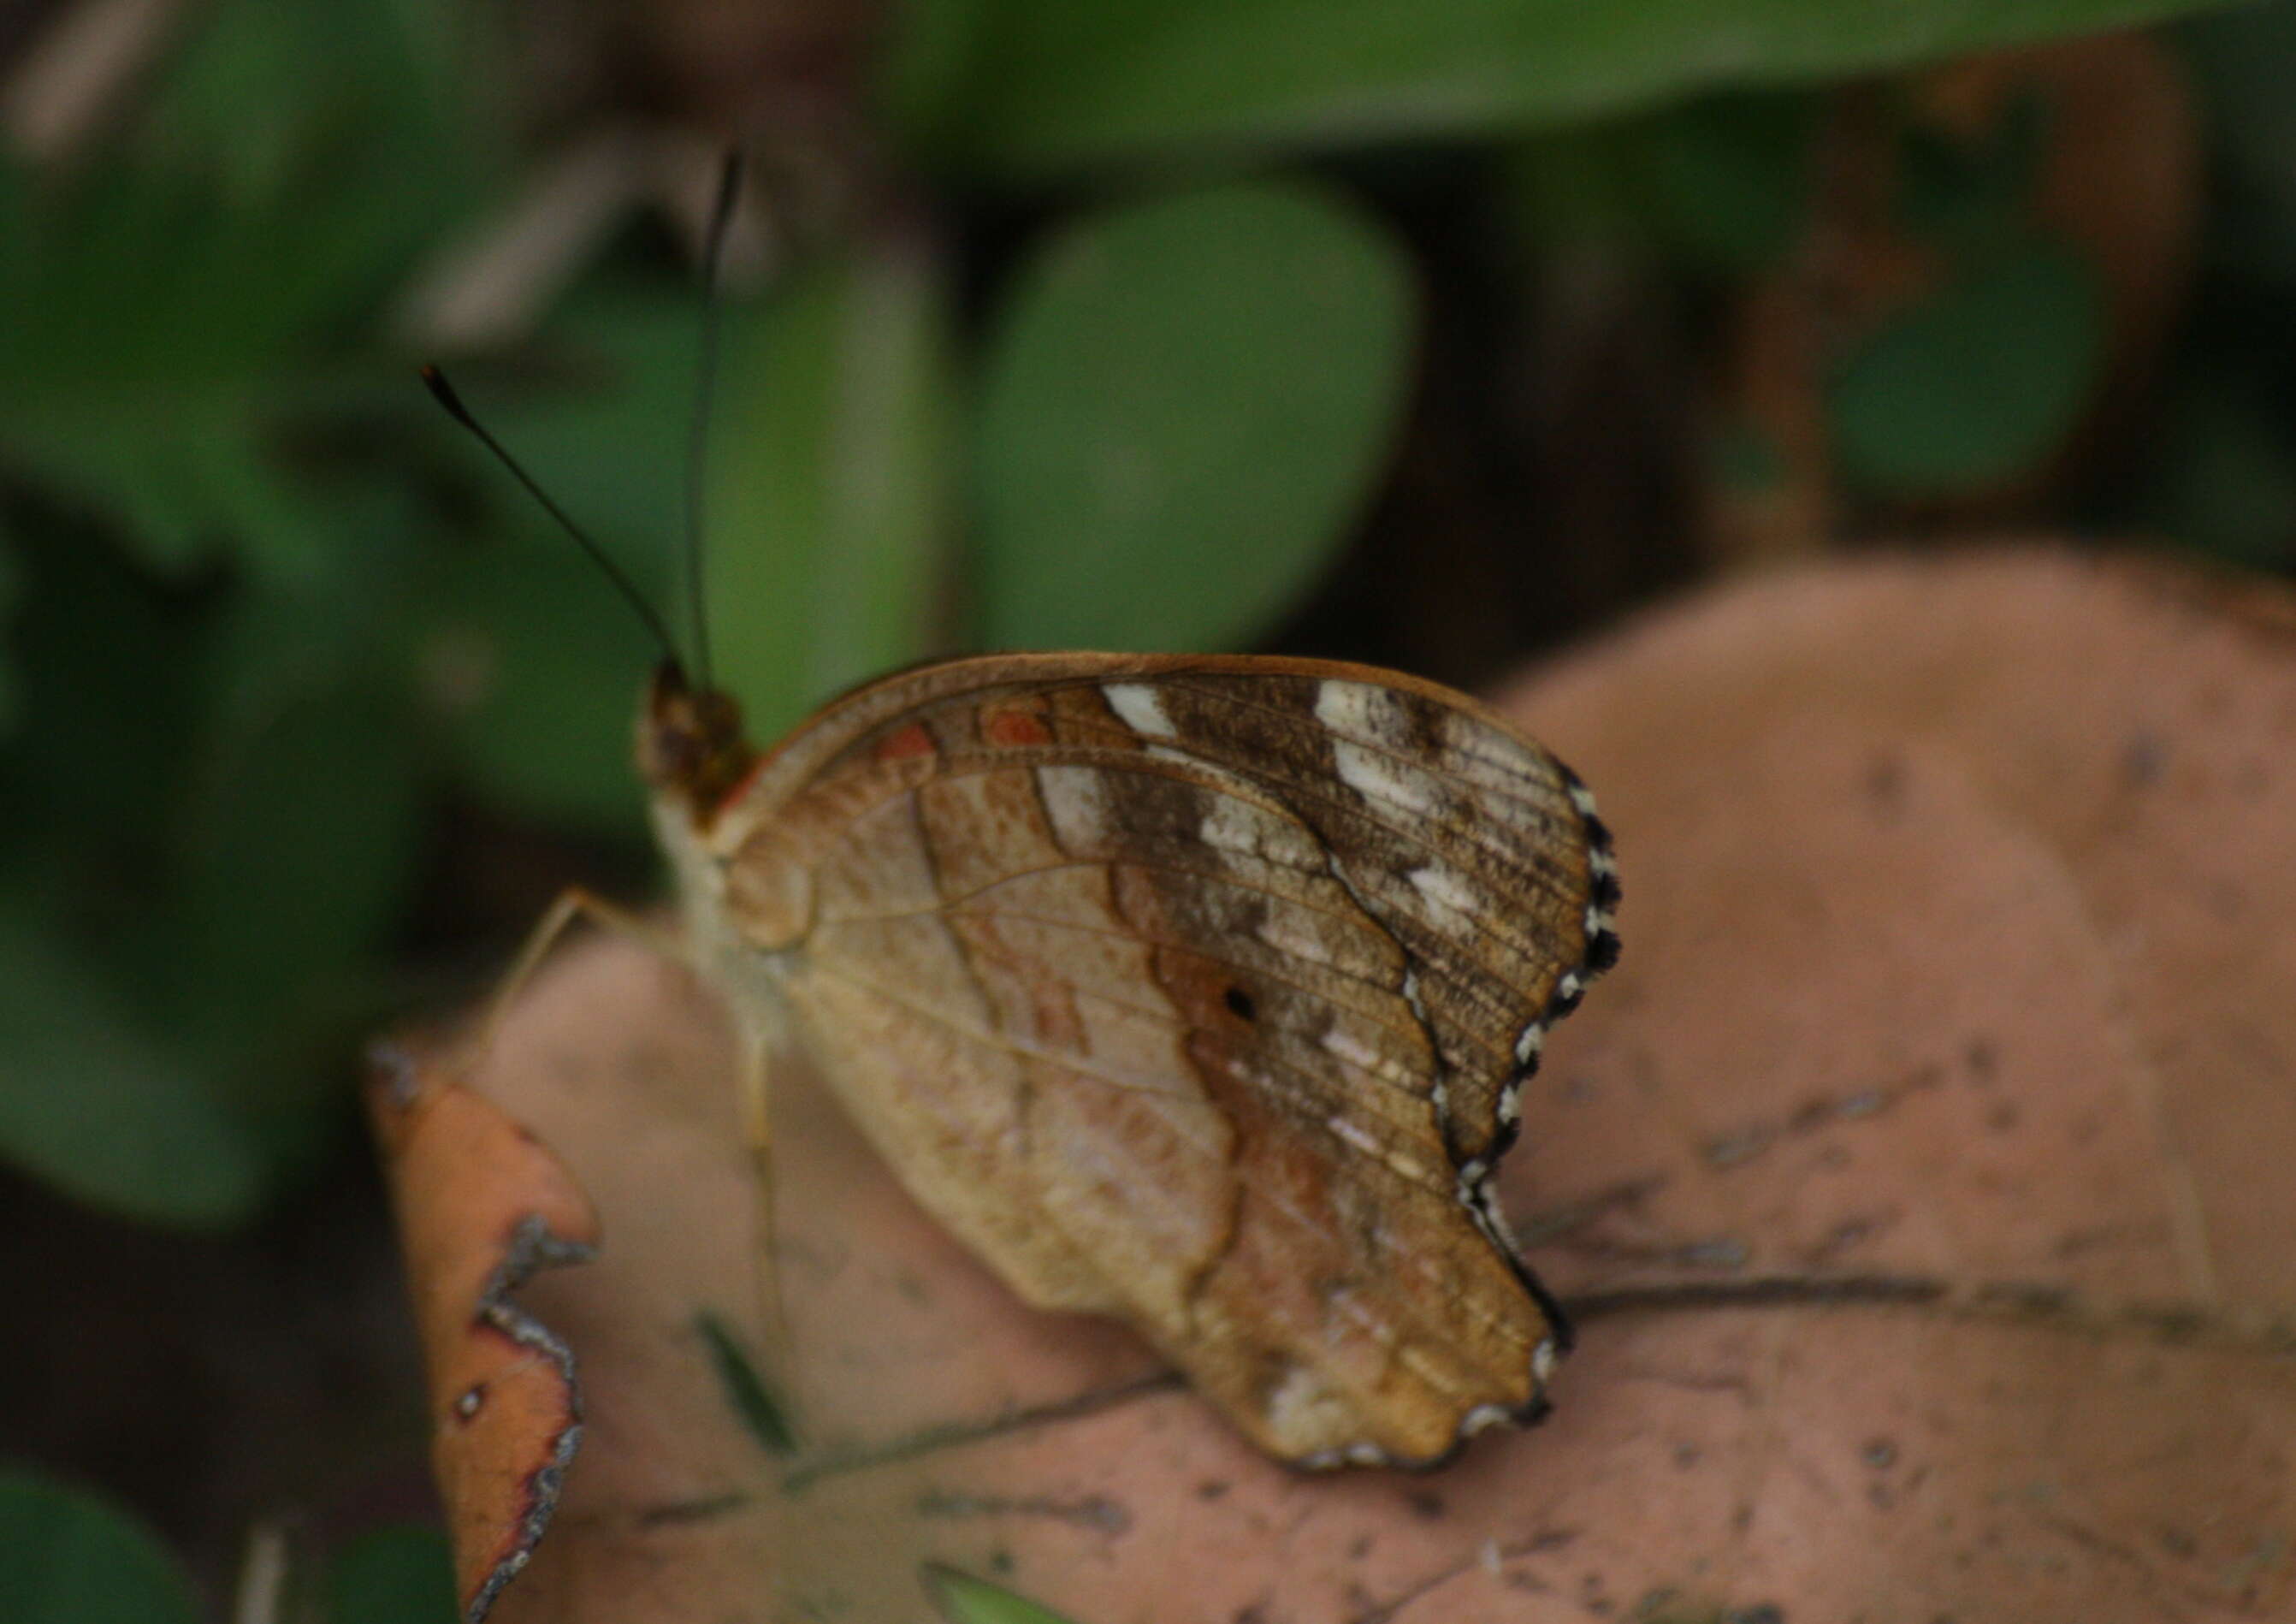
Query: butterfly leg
point(573, 903)
point(757, 1133)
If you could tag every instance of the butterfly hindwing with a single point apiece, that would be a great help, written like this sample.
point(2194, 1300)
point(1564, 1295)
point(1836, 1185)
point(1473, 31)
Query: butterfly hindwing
point(1195, 991)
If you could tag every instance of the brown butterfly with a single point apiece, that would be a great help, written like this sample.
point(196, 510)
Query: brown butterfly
point(1198, 991)
point(1195, 991)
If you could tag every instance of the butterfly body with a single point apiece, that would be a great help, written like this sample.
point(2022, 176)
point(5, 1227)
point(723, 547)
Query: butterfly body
point(1195, 991)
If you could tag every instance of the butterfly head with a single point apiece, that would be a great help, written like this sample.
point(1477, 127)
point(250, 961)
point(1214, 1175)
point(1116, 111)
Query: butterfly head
point(690, 740)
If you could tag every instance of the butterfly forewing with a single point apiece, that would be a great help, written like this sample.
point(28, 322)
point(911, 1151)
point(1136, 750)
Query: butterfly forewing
point(1195, 991)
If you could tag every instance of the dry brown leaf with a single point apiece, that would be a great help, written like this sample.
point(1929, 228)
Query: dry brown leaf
point(482, 1205)
point(1921, 1170)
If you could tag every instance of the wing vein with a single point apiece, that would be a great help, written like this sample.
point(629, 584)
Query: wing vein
point(1266, 1191)
point(1112, 933)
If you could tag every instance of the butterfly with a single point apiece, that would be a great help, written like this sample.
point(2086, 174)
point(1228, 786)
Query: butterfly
point(1196, 991)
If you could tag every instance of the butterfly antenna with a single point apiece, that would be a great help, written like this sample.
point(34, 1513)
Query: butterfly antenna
point(443, 393)
point(705, 387)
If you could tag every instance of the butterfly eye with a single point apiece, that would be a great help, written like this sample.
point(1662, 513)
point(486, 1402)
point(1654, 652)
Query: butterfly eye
point(1239, 1005)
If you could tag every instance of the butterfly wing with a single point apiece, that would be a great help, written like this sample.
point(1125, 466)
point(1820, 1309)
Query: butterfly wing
point(1196, 991)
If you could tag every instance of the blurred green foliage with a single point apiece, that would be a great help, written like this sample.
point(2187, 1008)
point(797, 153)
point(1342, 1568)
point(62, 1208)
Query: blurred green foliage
point(1029, 87)
point(69, 1557)
point(400, 1575)
point(832, 436)
point(264, 608)
point(1977, 381)
point(2222, 473)
point(1193, 389)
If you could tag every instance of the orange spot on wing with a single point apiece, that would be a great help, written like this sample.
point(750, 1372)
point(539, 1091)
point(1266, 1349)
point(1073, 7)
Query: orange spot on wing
point(741, 788)
point(911, 741)
point(1015, 728)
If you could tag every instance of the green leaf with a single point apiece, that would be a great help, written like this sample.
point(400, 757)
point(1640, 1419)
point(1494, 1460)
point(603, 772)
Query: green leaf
point(105, 740)
point(393, 1576)
point(156, 389)
point(1731, 176)
point(1184, 406)
point(67, 1557)
point(601, 422)
point(106, 713)
point(260, 94)
point(963, 1599)
point(1028, 86)
point(1976, 383)
point(8, 690)
point(536, 667)
point(300, 847)
point(2244, 60)
point(763, 1414)
point(195, 290)
point(1721, 182)
point(829, 498)
point(95, 1106)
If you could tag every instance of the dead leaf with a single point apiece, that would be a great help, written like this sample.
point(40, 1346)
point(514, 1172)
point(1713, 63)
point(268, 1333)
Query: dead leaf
point(1920, 1173)
point(1954, 955)
point(482, 1205)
